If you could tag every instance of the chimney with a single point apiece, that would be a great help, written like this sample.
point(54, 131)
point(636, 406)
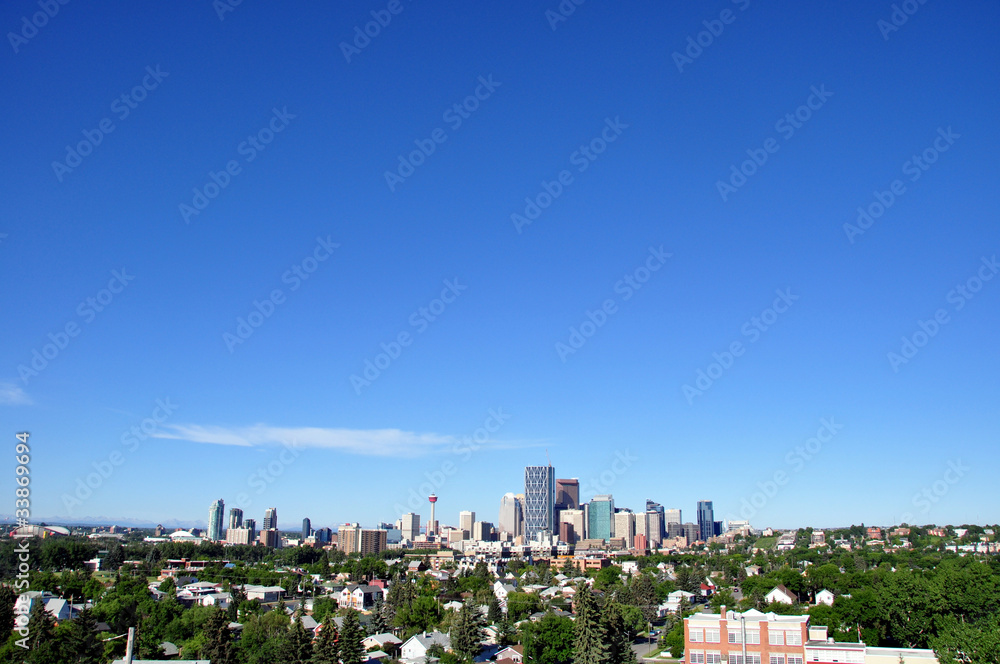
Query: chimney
point(722, 610)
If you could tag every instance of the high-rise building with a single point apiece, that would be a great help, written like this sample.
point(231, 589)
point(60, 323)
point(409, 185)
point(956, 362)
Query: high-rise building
point(658, 508)
point(252, 525)
point(215, 515)
point(691, 532)
point(482, 531)
point(625, 526)
point(601, 517)
point(465, 521)
point(572, 526)
point(511, 516)
point(568, 494)
point(306, 528)
point(323, 535)
point(235, 517)
point(539, 501)
point(672, 516)
point(409, 526)
point(432, 524)
point(654, 529)
point(270, 519)
point(240, 535)
point(352, 538)
point(706, 520)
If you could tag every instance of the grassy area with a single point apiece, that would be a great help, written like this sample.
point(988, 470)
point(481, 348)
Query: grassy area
point(766, 542)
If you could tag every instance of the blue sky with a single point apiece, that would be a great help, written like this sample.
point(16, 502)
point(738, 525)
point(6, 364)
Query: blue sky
point(628, 141)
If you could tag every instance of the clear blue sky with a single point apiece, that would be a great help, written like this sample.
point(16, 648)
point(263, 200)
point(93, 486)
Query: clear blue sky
point(516, 288)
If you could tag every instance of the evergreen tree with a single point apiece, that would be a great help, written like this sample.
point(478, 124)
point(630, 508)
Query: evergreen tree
point(618, 637)
point(351, 650)
point(326, 650)
point(378, 623)
point(7, 599)
point(43, 648)
point(590, 642)
point(300, 647)
point(495, 613)
point(218, 646)
point(467, 632)
point(643, 595)
point(82, 645)
point(237, 595)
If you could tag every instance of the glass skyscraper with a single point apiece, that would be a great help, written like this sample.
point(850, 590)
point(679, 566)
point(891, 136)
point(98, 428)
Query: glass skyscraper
point(601, 517)
point(706, 520)
point(539, 501)
point(216, 514)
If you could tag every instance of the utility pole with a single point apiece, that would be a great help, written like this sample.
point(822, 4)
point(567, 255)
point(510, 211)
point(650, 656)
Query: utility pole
point(130, 644)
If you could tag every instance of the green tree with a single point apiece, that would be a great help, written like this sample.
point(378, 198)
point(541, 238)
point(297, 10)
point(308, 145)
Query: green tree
point(351, 649)
point(81, 644)
point(549, 641)
point(494, 613)
point(522, 605)
point(218, 646)
point(300, 647)
point(467, 632)
point(590, 638)
point(43, 647)
point(326, 650)
point(619, 639)
point(7, 600)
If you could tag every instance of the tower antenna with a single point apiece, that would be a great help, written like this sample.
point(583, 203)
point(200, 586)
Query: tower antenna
point(547, 456)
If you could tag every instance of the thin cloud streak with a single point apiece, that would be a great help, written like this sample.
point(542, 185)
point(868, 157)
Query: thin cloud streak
point(13, 395)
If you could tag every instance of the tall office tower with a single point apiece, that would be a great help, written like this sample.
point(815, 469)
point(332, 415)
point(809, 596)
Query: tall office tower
point(672, 516)
point(691, 532)
point(572, 526)
point(568, 494)
point(642, 524)
point(235, 517)
point(270, 519)
point(215, 515)
point(465, 521)
point(323, 535)
point(306, 528)
point(625, 526)
point(510, 515)
point(251, 525)
point(482, 531)
point(539, 501)
point(601, 518)
point(706, 520)
point(349, 537)
point(409, 524)
point(656, 507)
point(270, 537)
point(654, 528)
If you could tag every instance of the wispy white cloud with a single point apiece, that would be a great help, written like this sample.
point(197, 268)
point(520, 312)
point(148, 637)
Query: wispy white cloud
point(13, 395)
point(369, 442)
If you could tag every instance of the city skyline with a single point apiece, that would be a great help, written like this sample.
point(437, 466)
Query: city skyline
point(763, 264)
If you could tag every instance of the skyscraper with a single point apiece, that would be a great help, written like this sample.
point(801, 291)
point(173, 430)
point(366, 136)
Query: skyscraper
point(706, 520)
point(510, 515)
point(625, 526)
point(539, 501)
point(601, 517)
point(215, 515)
point(465, 521)
point(235, 517)
point(409, 526)
point(270, 519)
point(656, 507)
point(568, 494)
point(306, 528)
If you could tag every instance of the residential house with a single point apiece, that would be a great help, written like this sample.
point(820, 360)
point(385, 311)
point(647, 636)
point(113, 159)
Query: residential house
point(780, 594)
point(415, 648)
point(824, 597)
